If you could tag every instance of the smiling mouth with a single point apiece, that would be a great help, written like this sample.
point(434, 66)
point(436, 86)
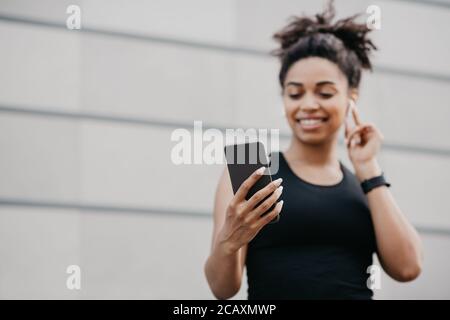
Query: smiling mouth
point(311, 123)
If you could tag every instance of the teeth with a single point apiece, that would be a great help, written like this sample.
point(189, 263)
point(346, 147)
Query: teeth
point(310, 122)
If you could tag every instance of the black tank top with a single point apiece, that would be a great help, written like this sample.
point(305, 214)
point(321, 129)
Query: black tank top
point(320, 248)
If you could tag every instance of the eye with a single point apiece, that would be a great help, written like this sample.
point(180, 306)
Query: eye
point(326, 95)
point(294, 96)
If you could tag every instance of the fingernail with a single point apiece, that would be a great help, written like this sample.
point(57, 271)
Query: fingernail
point(260, 171)
point(278, 182)
point(279, 190)
point(281, 204)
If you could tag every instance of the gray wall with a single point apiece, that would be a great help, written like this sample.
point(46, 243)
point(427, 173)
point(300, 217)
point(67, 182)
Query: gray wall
point(86, 118)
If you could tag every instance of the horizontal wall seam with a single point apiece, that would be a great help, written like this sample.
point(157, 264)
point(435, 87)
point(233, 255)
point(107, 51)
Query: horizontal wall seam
point(206, 46)
point(108, 208)
point(434, 3)
point(168, 124)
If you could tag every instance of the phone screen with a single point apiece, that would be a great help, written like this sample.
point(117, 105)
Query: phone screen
point(242, 161)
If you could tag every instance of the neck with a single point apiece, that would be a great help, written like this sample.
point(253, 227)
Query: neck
point(314, 155)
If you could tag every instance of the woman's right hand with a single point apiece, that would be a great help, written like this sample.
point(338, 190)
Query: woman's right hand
point(243, 218)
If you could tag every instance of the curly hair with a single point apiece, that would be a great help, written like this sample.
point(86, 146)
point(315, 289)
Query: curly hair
point(344, 42)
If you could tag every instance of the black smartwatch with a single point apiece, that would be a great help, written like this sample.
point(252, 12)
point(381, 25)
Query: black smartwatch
point(374, 182)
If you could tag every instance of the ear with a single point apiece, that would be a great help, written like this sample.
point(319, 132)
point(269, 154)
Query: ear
point(353, 94)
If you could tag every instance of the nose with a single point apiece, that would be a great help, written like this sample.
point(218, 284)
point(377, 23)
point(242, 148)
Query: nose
point(309, 103)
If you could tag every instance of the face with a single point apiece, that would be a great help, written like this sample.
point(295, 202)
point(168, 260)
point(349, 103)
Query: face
point(316, 97)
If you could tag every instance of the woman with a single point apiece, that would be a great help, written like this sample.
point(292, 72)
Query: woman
point(332, 220)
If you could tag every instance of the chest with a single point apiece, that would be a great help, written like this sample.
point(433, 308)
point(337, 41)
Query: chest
point(320, 216)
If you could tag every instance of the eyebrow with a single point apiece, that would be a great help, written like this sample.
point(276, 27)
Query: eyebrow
point(320, 83)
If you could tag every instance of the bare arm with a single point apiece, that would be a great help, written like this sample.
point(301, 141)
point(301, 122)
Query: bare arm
point(236, 222)
point(399, 245)
point(224, 268)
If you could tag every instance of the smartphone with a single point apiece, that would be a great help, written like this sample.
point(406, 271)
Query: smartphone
point(244, 159)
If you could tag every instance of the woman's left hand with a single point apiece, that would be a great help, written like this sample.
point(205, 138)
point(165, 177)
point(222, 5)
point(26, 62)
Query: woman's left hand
point(363, 144)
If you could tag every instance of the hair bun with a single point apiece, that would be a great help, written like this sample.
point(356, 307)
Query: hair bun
point(351, 33)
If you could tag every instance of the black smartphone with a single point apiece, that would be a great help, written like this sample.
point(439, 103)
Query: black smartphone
point(244, 159)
